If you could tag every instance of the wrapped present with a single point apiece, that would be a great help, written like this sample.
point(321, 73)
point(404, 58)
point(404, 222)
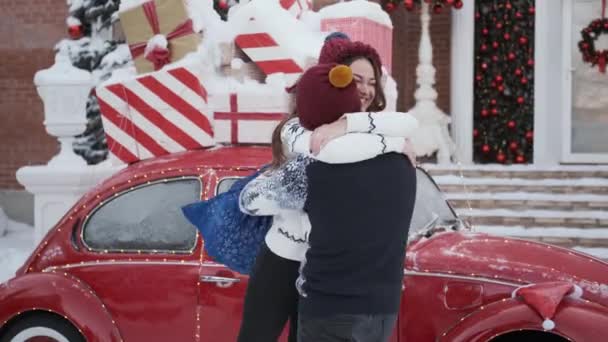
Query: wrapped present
point(366, 22)
point(247, 117)
point(156, 114)
point(158, 32)
point(267, 54)
point(296, 7)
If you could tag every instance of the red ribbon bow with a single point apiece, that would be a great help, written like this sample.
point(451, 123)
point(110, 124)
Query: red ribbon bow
point(159, 56)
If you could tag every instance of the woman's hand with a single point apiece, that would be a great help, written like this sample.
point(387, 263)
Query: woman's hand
point(323, 134)
point(408, 150)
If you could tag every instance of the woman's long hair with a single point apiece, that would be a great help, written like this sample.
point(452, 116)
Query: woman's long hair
point(377, 105)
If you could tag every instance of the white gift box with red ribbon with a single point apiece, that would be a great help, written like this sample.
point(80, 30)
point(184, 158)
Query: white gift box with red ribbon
point(247, 117)
point(160, 113)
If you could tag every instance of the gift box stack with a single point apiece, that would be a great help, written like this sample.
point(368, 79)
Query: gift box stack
point(174, 104)
point(166, 108)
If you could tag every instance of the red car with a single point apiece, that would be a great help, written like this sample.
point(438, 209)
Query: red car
point(125, 265)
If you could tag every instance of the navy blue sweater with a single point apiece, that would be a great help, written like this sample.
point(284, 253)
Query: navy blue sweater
point(360, 214)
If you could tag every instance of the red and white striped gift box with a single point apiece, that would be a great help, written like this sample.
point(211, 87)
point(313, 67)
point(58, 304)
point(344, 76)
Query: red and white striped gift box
point(247, 117)
point(156, 114)
point(376, 34)
point(267, 54)
point(296, 7)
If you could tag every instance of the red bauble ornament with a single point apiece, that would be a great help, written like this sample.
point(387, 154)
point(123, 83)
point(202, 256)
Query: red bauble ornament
point(484, 66)
point(495, 45)
point(523, 40)
point(530, 62)
point(507, 36)
point(520, 100)
point(458, 4)
point(501, 88)
point(485, 148)
point(524, 80)
point(511, 56)
point(75, 31)
point(484, 112)
point(500, 157)
point(529, 135)
point(520, 159)
point(485, 31)
point(389, 6)
point(479, 78)
point(499, 25)
point(518, 15)
point(449, 2)
point(495, 58)
point(494, 111)
point(518, 72)
point(511, 124)
point(483, 47)
point(493, 84)
point(532, 10)
point(513, 145)
point(223, 4)
point(475, 133)
point(493, 102)
point(437, 9)
point(477, 15)
point(499, 78)
point(508, 5)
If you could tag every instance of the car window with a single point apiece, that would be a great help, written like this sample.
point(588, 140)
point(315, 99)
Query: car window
point(225, 184)
point(430, 204)
point(148, 217)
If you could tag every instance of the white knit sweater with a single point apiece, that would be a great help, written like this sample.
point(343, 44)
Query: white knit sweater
point(282, 192)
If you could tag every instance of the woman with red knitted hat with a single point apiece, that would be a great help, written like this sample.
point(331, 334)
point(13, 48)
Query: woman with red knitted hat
point(272, 298)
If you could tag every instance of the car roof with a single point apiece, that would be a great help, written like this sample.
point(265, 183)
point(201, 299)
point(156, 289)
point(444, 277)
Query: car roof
point(242, 157)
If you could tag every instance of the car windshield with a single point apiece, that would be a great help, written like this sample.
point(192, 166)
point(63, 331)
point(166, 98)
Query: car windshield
point(431, 208)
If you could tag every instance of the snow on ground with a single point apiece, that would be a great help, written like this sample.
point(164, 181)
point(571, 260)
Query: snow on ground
point(457, 180)
point(526, 196)
point(594, 214)
point(15, 247)
point(565, 232)
point(518, 168)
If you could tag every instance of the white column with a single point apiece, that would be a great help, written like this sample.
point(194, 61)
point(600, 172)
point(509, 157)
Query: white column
point(547, 82)
point(433, 134)
point(56, 186)
point(462, 80)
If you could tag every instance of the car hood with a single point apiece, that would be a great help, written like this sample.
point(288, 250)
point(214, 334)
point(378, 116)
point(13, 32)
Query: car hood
point(513, 260)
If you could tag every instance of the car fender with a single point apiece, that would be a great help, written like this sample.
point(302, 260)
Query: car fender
point(575, 320)
point(62, 294)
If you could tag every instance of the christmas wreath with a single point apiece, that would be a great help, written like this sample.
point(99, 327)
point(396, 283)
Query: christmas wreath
point(587, 45)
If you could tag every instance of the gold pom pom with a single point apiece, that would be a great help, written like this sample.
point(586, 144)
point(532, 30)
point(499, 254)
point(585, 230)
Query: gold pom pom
point(340, 76)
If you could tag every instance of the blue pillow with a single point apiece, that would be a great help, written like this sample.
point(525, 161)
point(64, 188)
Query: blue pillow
point(231, 237)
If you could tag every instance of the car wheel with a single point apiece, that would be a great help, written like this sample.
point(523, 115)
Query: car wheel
point(529, 336)
point(41, 327)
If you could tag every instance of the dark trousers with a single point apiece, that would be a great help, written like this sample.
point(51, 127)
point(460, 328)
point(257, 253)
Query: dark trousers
point(346, 328)
point(271, 299)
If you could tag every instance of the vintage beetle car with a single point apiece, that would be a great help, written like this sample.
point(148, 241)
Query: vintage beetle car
point(124, 265)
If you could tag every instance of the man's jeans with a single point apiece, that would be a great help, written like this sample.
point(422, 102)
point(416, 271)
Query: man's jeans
point(346, 328)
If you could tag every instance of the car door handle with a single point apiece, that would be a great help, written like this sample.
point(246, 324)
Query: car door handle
point(216, 279)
